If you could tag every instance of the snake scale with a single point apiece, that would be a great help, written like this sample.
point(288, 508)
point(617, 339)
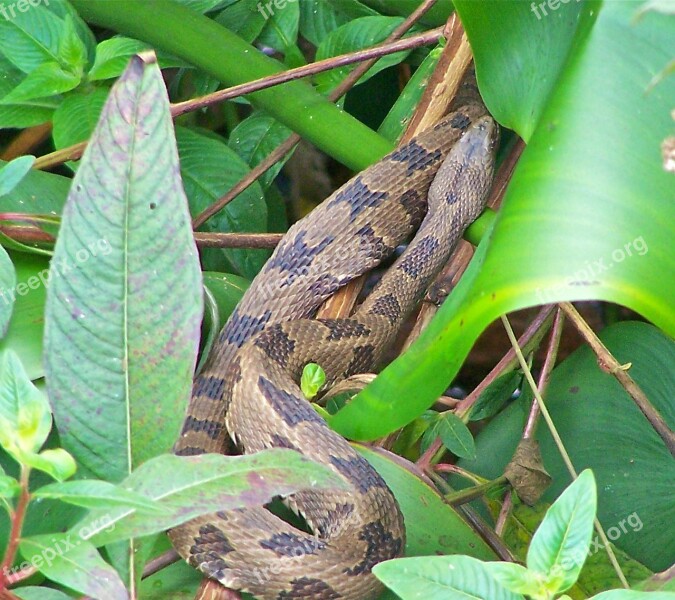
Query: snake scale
point(246, 399)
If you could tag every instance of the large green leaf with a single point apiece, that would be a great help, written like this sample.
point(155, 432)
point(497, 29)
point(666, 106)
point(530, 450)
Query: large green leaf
point(124, 301)
point(603, 430)
point(7, 288)
point(589, 213)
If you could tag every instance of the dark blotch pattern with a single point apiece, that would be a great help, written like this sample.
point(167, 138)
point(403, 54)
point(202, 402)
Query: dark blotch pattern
point(189, 451)
point(279, 441)
point(372, 245)
point(210, 386)
point(415, 261)
point(460, 121)
point(364, 357)
point(414, 205)
point(297, 256)
point(276, 343)
point(211, 428)
point(242, 327)
point(415, 157)
point(287, 406)
point(387, 306)
point(325, 285)
point(381, 546)
point(359, 472)
point(344, 328)
point(211, 540)
point(307, 587)
point(358, 197)
point(289, 544)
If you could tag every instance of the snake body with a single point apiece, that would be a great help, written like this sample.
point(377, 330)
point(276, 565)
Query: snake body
point(247, 399)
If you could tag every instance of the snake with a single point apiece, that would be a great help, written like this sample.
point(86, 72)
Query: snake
point(247, 398)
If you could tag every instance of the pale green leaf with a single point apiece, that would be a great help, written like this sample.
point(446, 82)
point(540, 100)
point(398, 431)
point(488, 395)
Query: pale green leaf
point(13, 172)
point(312, 379)
point(48, 79)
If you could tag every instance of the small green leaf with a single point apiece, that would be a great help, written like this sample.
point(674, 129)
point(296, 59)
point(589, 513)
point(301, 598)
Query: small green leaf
point(39, 593)
point(313, 378)
point(49, 79)
point(13, 172)
point(560, 546)
point(7, 286)
point(454, 434)
point(25, 416)
point(112, 57)
point(74, 563)
point(516, 578)
point(634, 595)
point(441, 578)
point(9, 487)
point(97, 494)
point(71, 49)
point(56, 462)
point(495, 395)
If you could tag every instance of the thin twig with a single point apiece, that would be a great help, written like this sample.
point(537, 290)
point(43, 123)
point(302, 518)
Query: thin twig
point(160, 562)
point(610, 365)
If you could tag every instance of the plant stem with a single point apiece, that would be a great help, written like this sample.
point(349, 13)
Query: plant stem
point(17, 518)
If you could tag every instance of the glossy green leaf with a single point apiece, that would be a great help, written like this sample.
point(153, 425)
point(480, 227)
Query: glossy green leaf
point(7, 284)
point(227, 289)
point(454, 434)
point(441, 578)
point(243, 18)
point(634, 595)
point(71, 48)
point(112, 57)
point(96, 494)
point(9, 487)
point(560, 545)
point(319, 18)
point(124, 301)
point(56, 462)
point(203, 484)
point(39, 593)
point(312, 379)
point(25, 417)
point(495, 395)
point(356, 35)
point(255, 138)
point(75, 564)
point(24, 335)
point(432, 525)
point(516, 578)
point(75, 118)
point(37, 193)
point(281, 33)
point(48, 79)
point(578, 221)
point(13, 172)
point(202, 159)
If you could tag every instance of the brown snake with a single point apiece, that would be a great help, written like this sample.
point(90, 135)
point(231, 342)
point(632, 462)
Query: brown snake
point(247, 395)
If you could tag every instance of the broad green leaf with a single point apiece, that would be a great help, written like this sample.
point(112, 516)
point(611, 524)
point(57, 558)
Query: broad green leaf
point(243, 17)
point(203, 484)
point(634, 595)
point(281, 33)
point(25, 418)
point(432, 525)
point(227, 289)
point(591, 412)
point(71, 48)
point(441, 578)
point(571, 203)
point(312, 379)
point(24, 335)
point(112, 57)
point(9, 487)
point(37, 193)
point(96, 494)
point(75, 564)
point(13, 172)
point(202, 159)
point(48, 79)
point(124, 302)
point(7, 285)
point(319, 18)
point(56, 462)
point(39, 593)
point(356, 35)
point(255, 138)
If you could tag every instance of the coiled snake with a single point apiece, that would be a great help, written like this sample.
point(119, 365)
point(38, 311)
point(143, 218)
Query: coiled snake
point(247, 394)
